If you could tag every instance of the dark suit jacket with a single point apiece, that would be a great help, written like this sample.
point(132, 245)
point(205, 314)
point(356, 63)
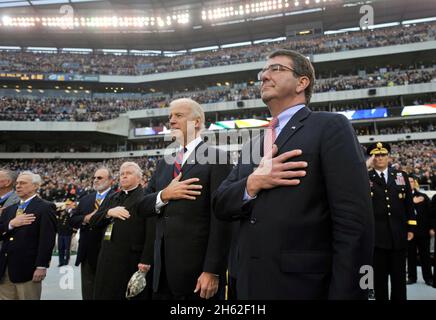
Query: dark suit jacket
point(422, 215)
point(131, 243)
point(27, 247)
point(194, 240)
point(307, 241)
point(90, 239)
point(393, 209)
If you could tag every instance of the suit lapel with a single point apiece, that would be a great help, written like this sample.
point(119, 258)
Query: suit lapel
point(376, 177)
point(192, 160)
point(32, 205)
point(292, 126)
point(108, 195)
point(166, 175)
point(391, 177)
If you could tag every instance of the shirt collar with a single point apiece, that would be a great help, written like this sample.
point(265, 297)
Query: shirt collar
point(7, 195)
point(385, 172)
point(287, 114)
point(103, 194)
point(193, 144)
point(28, 199)
point(130, 190)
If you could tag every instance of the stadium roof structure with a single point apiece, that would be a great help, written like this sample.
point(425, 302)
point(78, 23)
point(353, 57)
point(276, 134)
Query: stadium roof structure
point(194, 23)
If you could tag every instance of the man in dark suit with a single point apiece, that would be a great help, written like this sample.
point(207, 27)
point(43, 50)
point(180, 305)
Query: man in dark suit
point(90, 239)
point(394, 223)
point(128, 240)
point(421, 239)
point(28, 231)
point(302, 235)
point(191, 244)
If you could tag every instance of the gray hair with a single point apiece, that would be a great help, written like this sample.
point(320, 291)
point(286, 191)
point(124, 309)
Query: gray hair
point(12, 175)
point(36, 178)
point(109, 171)
point(135, 165)
point(196, 109)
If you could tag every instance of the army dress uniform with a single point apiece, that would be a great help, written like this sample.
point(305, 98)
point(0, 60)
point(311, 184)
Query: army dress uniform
point(394, 218)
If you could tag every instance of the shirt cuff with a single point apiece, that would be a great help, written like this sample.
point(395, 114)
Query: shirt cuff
point(10, 227)
point(41, 268)
point(159, 202)
point(247, 197)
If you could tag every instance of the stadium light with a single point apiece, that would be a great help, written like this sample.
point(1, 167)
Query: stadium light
point(257, 8)
point(430, 19)
point(383, 25)
point(100, 22)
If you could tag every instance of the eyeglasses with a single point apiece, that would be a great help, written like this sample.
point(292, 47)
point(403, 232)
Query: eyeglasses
point(98, 178)
point(276, 67)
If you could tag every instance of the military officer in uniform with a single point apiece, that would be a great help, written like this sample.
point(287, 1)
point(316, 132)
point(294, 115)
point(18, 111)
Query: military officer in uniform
point(394, 222)
point(421, 239)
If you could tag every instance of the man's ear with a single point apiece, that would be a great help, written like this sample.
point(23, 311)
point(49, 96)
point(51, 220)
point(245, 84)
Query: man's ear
point(303, 83)
point(197, 123)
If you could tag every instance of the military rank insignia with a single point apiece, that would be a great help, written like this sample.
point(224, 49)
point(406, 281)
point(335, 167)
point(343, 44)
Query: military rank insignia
point(400, 196)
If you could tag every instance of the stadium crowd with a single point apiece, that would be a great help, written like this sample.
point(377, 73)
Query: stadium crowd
point(70, 179)
point(111, 64)
point(28, 108)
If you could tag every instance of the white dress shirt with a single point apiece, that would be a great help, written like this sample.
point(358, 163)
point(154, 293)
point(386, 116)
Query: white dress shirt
point(190, 147)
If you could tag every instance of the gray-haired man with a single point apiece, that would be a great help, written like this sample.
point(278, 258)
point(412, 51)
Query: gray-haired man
point(28, 231)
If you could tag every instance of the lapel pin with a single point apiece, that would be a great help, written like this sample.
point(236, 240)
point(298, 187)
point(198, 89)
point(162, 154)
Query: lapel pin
point(293, 128)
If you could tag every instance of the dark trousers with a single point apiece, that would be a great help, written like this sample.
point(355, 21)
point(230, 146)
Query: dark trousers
point(390, 263)
point(64, 243)
point(88, 280)
point(231, 288)
point(164, 292)
point(422, 244)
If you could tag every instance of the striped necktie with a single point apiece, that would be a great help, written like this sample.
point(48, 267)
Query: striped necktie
point(178, 162)
point(270, 135)
point(98, 200)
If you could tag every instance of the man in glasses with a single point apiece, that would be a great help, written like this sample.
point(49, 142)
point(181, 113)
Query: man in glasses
point(394, 222)
point(306, 226)
point(90, 239)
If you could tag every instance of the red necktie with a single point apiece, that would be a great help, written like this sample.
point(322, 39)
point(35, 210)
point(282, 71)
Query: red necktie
point(270, 135)
point(178, 162)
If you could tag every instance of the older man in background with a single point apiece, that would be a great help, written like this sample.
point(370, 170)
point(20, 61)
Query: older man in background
point(28, 231)
point(127, 245)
